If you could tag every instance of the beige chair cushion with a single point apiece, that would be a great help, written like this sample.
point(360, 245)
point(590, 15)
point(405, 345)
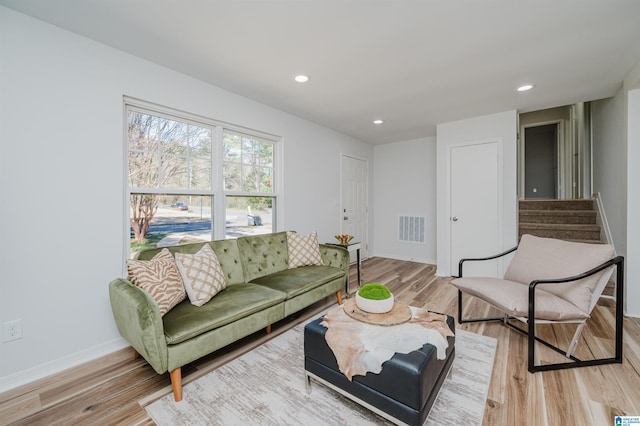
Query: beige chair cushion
point(513, 298)
point(547, 258)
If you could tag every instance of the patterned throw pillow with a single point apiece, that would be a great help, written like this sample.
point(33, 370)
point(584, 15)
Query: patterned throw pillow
point(303, 250)
point(202, 275)
point(160, 278)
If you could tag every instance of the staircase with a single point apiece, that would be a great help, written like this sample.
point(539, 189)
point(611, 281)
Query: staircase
point(572, 220)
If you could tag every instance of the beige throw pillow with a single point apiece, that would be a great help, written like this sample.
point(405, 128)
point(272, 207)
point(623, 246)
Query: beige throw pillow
point(202, 275)
point(160, 278)
point(303, 250)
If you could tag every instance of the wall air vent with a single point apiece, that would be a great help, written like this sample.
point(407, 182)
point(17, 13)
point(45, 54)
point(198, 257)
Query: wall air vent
point(411, 229)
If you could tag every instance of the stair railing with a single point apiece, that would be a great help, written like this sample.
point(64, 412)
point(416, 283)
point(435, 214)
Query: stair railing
point(605, 233)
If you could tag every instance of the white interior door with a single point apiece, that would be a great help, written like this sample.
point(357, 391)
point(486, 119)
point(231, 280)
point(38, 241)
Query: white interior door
point(475, 206)
point(354, 200)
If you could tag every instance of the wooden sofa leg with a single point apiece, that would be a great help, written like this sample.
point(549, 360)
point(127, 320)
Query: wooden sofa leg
point(176, 384)
point(339, 296)
point(269, 329)
point(136, 354)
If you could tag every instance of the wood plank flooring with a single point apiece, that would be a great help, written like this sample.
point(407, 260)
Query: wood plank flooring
point(113, 390)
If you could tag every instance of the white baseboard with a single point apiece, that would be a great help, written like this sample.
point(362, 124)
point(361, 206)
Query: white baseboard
point(631, 315)
point(52, 367)
point(439, 273)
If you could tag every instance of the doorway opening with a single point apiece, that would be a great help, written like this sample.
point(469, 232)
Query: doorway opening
point(554, 148)
point(541, 162)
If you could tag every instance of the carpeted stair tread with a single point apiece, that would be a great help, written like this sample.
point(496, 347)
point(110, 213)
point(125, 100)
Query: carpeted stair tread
point(561, 226)
point(571, 220)
point(569, 235)
point(558, 216)
point(574, 240)
point(579, 204)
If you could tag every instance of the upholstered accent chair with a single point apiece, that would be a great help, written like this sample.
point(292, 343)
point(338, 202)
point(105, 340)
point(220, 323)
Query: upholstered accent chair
point(549, 281)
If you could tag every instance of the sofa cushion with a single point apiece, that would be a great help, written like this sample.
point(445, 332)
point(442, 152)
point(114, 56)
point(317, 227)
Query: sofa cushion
point(160, 278)
point(263, 254)
point(229, 258)
point(303, 249)
point(513, 298)
point(186, 321)
point(546, 258)
point(294, 282)
point(201, 274)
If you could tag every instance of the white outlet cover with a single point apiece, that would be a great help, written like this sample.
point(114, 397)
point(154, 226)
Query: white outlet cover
point(11, 330)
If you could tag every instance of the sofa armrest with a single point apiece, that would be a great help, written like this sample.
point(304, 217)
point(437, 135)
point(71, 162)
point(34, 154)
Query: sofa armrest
point(139, 322)
point(336, 256)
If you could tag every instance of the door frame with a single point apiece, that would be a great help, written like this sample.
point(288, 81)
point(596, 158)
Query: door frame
point(365, 237)
point(563, 155)
point(500, 189)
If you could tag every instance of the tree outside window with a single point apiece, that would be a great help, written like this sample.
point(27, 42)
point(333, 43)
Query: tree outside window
point(167, 155)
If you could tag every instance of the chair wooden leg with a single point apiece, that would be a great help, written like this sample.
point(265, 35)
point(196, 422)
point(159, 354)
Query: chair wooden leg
point(176, 383)
point(339, 296)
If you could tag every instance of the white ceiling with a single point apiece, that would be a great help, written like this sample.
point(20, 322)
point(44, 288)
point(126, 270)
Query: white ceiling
point(411, 63)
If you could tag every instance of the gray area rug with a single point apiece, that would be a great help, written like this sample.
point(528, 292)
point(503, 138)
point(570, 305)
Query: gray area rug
point(266, 386)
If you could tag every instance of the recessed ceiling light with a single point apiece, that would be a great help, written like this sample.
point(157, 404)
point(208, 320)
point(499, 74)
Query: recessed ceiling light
point(525, 87)
point(378, 121)
point(301, 78)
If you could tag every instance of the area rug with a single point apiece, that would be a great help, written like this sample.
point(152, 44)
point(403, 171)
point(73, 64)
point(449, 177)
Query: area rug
point(266, 386)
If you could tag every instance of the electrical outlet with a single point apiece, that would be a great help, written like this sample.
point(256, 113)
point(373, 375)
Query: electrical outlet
point(12, 330)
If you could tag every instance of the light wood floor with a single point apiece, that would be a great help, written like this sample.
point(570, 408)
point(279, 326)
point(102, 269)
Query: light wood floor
point(114, 389)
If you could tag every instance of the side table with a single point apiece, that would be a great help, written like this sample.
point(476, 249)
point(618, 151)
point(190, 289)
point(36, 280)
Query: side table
point(351, 247)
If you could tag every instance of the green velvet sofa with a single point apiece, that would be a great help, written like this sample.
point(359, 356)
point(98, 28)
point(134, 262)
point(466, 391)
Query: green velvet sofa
point(261, 290)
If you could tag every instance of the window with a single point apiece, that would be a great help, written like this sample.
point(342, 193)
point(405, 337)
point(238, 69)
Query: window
point(177, 181)
point(168, 154)
point(248, 183)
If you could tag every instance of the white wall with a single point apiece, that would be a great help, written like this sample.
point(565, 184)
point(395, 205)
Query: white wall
point(633, 204)
point(501, 126)
point(631, 126)
point(610, 164)
point(62, 225)
point(405, 184)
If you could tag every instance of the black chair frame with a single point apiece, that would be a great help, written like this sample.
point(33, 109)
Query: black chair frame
point(617, 261)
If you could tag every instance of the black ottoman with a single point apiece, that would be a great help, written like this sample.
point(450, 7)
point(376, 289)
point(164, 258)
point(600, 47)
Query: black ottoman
point(403, 392)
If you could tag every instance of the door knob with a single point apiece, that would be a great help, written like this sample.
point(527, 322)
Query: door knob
point(455, 219)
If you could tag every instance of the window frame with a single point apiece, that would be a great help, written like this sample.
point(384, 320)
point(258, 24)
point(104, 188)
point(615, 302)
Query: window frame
point(217, 190)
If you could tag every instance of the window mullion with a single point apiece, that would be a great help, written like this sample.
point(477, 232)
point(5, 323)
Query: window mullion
point(219, 227)
point(162, 191)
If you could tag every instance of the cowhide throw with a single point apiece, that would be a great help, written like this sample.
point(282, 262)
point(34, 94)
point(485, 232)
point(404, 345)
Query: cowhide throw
point(360, 348)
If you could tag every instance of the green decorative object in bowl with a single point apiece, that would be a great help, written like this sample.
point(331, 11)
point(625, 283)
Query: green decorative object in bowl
point(374, 298)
